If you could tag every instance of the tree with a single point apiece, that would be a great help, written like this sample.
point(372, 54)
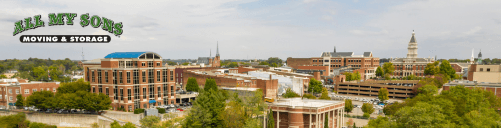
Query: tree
point(271, 120)
point(387, 77)
point(171, 63)
point(172, 120)
point(115, 124)
point(428, 90)
point(349, 76)
point(19, 101)
point(421, 115)
point(234, 116)
point(381, 122)
point(206, 110)
point(309, 96)
point(354, 126)
point(431, 68)
point(383, 94)
point(94, 125)
point(40, 99)
point(379, 72)
point(367, 108)
point(274, 65)
point(263, 63)
point(185, 63)
point(275, 60)
point(252, 123)
point(388, 68)
point(315, 86)
point(290, 94)
point(73, 87)
point(12, 121)
point(150, 122)
point(3, 76)
point(356, 76)
point(232, 65)
point(348, 105)
point(446, 69)
point(210, 84)
point(192, 85)
point(129, 125)
point(325, 94)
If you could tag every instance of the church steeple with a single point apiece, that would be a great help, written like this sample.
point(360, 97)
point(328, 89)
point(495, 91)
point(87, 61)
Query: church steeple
point(334, 49)
point(217, 50)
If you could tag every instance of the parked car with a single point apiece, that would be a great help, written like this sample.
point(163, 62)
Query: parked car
point(48, 111)
point(355, 106)
point(172, 105)
point(180, 109)
point(356, 99)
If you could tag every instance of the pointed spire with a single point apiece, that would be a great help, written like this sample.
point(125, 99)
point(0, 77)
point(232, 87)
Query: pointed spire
point(217, 50)
point(334, 49)
point(210, 53)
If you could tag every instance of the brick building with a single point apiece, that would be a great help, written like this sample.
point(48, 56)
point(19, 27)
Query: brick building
point(10, 88)
point(307, 113)
point(329, 61)
point(132, 79)
point(484, 73)
point(493, 87)
point(211, 61)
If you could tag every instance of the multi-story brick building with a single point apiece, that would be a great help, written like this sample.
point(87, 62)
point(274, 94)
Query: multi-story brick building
point(132, 79)
point(307, 113)
point(397, 88)
point(493, 87)
point(329, 61)
point(10, 88)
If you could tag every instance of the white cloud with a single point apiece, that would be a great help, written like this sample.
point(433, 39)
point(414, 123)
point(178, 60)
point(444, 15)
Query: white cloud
point(473, 30)
point(365, 33)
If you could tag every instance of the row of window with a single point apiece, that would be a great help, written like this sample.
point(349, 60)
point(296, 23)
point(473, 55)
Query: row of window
point(488, 69)
point(27, 91)
point(136, 76)
point(10, 98)
point(133, 64)
point(150, 93)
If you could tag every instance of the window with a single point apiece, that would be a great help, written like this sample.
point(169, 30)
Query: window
point(158, 63)
point(488, 69)
point(93, 89)
point(10, 91)
point(121, 94)
point(128, 77)
point(150, 63)
point(41, 89)
point(54, 89)
point(129, 95)
point(159, 91)
point(48, 89)
point(34, 90)
point(17, 91)
point(135, 76)
point(314, 60)
point(144, 93)
point(150, 76)
point(121, 64)
point(10, 98)
point(165, 89)
point(115, 91)
point(144, 76)
point(100, 88)
point(93, 79)
point(136, 93)
point(99, 80)
point(26, 91)
point(114, 76)
point(106, 76)
point(143, 64)
point(164, 74)
point(120, 77)
point(151, 90)
point(172, 90)
point(481, 69)
point(107, 91)
point(172, 75)
point(158, 75)
point(1, 96)
point(326, 60)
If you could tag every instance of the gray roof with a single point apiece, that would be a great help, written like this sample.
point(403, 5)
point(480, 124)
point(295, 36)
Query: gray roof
point(367, 54)
point(412, 39)
point(341, 54)
point(413, 59)
point(204, 60)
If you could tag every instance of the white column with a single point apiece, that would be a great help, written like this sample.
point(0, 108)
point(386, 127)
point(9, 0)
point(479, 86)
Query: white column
point(278, 118)
point(342, 115)
point(338, 118)
point(329, 116)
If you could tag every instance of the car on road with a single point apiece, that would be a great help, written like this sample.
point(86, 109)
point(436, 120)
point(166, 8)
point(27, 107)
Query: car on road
point(180, 109)
point(356, 99)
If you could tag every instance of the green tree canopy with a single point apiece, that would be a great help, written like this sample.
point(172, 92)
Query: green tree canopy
point(290, 94)
point(271, 120)
point(431, 68)
point(263, 63)
point(325, 94)
point(446, 69)
point(379, 72)
point(73, 87)
point(348, 105)
point(150, 122)
point(185, 63)
point(3, 76)
point(19, 101)
point(210, 84)
point(428, 90)
point(192, 84)
point(40, 99)
point(232, 65)
point(309, 96)
point(206, 110)
point(315, 86)
point(383, 94)
point(388, 68)
point(367, 108)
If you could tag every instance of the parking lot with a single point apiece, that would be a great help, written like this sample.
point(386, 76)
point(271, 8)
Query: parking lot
point(359, 100)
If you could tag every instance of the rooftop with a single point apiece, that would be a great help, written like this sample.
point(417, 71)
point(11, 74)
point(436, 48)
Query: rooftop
point(143, 55)
point(298, 102)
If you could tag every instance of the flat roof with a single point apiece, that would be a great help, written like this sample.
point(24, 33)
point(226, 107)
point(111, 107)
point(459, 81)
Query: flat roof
point(298, 102)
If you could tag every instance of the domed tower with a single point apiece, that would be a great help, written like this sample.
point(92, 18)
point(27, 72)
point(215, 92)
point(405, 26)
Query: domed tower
point(412, 49)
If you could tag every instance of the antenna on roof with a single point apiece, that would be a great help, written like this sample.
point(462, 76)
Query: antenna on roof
point(82, 55)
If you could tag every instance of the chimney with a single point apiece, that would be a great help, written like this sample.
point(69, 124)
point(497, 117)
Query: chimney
point(270, 76)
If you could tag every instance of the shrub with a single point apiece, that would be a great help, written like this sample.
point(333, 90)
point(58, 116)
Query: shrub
point(161, 110)
point(367, 115)
point(139, 110)
point(309, 96)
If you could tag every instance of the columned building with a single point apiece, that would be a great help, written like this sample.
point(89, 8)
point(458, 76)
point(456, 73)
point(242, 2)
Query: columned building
point(132, 79)
point(308, 113)
point(411, 65)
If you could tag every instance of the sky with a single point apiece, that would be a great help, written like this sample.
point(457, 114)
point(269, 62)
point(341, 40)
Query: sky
point(248, 29)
